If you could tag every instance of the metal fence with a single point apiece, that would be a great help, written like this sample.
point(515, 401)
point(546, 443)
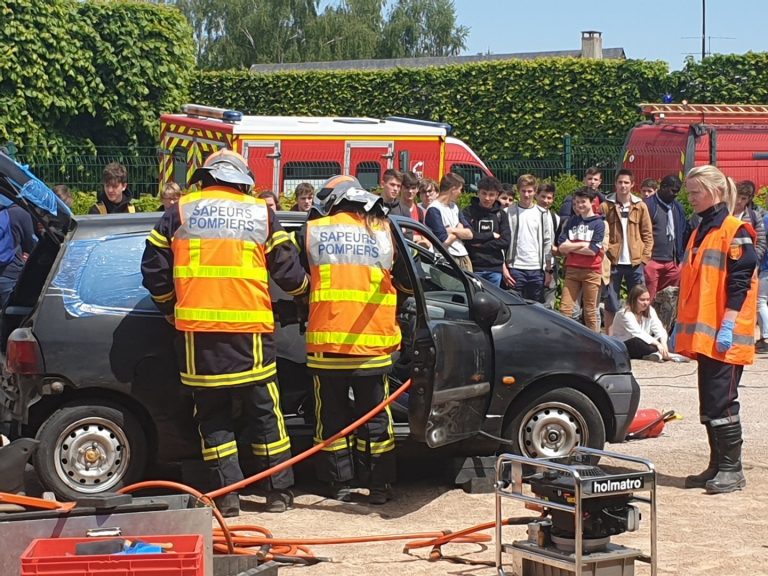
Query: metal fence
point(82, 170)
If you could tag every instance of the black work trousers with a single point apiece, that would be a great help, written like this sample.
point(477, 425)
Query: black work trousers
point(718, 391)
point(368, 454)
point(264, 431)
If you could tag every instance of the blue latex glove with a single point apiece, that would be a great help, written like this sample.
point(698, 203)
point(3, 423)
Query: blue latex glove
point(724, 339)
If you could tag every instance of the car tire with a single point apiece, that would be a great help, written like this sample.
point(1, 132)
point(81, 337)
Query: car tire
point(551, 424)
point(90, 448)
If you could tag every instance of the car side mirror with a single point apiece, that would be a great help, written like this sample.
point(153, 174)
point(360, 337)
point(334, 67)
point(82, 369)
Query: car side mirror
point(485, 309)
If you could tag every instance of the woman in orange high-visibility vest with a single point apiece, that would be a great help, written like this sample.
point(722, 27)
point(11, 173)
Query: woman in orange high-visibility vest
point(716, 320)
point(351, 334)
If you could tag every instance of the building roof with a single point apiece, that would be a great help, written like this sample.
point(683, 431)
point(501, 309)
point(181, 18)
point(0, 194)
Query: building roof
point(386, 63)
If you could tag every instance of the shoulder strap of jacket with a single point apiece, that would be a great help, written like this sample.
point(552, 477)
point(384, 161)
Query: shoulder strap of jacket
point(101, 207)
point(131, 209)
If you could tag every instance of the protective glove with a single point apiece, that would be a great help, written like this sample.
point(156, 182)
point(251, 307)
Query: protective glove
point(724, 339)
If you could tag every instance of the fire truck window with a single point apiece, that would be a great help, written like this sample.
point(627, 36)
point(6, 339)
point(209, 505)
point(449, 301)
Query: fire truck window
point(369, 174)
point(471, 174)
point(180, 166)
point(294, 173)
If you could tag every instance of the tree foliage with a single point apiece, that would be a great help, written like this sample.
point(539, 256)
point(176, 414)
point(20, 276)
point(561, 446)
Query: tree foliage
point(724, 78)
point(502, 109)
point(238, 33)
point(84, 74)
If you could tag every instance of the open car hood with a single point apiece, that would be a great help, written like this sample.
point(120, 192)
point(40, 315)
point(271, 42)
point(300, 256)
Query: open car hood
point(19, 186)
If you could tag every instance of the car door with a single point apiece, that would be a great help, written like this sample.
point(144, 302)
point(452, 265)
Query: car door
point(449, 352)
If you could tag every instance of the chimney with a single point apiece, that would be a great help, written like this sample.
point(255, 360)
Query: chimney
point(592, 44)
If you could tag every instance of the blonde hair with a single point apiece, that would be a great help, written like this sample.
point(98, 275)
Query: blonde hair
point(526, 180)
point(721, 187)
point(171, 188)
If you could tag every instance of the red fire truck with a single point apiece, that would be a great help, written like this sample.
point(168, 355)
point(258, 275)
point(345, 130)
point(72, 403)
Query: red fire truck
point(678, 137)
point(283, 151)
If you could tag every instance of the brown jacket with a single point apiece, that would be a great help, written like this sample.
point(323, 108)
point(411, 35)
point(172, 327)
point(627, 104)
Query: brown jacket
point(639, 231)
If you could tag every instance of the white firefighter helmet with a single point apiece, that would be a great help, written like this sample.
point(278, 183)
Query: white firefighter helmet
point(340, 189)
point(226, 166)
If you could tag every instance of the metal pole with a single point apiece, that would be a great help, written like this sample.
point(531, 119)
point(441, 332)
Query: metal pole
point(703, 29)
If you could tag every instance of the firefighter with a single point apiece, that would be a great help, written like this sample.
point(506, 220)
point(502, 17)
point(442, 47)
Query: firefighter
point(207, 264)
point(716, 320)
point(352, 332)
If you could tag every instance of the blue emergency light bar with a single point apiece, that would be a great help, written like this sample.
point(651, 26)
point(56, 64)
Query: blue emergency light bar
point(201, 111)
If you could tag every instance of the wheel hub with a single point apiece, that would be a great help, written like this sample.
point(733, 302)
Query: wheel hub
point(551, 430)
point(92, 455)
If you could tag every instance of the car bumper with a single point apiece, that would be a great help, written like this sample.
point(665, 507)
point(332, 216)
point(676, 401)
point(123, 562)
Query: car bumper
point(623, 393)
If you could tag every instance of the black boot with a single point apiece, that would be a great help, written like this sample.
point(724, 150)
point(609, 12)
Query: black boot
point(700, 480)
point(228, 505)
point(729, 477)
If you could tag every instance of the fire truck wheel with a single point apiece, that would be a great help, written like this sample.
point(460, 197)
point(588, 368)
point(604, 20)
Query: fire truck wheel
point(87, 448)
point(553, 423)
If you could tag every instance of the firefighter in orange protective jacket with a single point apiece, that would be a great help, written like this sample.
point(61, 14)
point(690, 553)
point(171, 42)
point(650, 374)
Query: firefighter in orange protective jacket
point(716, 321)
point(351, 334)
point(207, 265)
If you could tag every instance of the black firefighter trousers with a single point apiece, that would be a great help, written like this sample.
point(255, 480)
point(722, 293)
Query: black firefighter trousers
point(264, 431)
point(367, 454)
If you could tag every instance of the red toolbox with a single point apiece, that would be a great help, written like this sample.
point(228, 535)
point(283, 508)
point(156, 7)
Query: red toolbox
point(56, 557)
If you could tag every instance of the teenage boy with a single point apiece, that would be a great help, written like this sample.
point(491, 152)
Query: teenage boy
point(490, 231)
point(669, 233)
point(744, 210)
point(116, 198)
point(648, 188)
point(545, 196)
point(630, 243)
point(581, 243)
point(447, 223)
point(391, 184)
point(507, 195)
point(530, 247)
point(305, 195)
point(593, 178)
point(408, 195)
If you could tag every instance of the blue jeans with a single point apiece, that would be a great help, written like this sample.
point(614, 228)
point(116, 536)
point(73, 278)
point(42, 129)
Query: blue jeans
point(529, 283)
point(633, 275)
point(492, 277)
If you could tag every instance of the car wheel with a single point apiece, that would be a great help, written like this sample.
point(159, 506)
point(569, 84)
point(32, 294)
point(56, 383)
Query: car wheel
point(87, 448)
point(552, 424)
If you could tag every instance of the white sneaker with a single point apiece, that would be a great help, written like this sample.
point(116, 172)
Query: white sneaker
point(655, 357)
point(678, 358)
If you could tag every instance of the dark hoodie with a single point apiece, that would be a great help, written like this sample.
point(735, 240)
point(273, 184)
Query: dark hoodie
point(121, 207)
point(485, 251)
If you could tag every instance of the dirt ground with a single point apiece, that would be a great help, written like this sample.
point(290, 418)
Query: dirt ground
point(698, 534)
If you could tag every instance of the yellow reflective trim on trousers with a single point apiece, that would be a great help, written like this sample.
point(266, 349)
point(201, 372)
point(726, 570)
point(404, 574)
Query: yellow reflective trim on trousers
point(274, 394)
point(325, 276)
point(158, 240)
point(216, 380)
point(301, 289)
point(336, 445)
point(317, 360)
point(212, 315)
point(318, 405)
point(164, 297)
point(360, 296)
point(189, 346)
point(376, 447)
point(249, 273)
point(256, 350)
point(220, 451)
point(351, 339)
point(271, 449)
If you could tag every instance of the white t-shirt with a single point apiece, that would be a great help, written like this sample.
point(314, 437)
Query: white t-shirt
point(450, 216)
point(529, 238)
point(624, 256)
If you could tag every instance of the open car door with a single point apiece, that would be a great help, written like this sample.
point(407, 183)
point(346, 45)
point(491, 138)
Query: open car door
point(446, 340)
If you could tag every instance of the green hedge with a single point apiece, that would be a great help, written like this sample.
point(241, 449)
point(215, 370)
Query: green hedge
point(78, 75)
point(502, 109)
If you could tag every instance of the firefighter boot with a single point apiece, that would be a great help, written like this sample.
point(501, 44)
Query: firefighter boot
point(730, 476)
point(700, 480)
point(228, 505)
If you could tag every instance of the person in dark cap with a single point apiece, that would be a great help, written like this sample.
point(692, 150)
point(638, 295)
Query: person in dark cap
point(669, 234)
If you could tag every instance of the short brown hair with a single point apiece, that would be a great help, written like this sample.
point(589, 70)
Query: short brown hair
point(410, 180)
point(304, 189)
point(546, 187)
point(526, 180)
point(450, 180)
point(114, 172)
point(392, 174)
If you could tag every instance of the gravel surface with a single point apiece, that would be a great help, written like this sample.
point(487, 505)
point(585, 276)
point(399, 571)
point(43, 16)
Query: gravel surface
point(698, 534)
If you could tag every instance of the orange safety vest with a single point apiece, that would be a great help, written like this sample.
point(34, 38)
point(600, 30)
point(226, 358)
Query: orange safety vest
point(703, 297)
point(353, 302)
point(220, 263)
